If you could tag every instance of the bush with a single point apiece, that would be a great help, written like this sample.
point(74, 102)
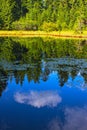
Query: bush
point(24, 25)
point(49, 26)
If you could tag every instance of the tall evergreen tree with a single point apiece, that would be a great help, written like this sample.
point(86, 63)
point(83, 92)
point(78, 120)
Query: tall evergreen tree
point(6, 8)
point(67, 14)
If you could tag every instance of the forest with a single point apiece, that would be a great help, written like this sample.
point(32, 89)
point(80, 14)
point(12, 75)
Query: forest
point(44, 15)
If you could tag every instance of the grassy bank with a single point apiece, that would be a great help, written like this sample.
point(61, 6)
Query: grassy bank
point(55, 34)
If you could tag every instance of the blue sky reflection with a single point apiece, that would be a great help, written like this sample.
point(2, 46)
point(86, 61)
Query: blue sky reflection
point(78, 81)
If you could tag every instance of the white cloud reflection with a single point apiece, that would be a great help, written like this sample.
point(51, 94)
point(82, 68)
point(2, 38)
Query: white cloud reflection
point(54, 125)
point(38, 99)
point(75, 119)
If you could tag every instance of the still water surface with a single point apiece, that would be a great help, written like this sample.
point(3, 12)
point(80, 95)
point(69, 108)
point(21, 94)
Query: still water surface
point(43, 84)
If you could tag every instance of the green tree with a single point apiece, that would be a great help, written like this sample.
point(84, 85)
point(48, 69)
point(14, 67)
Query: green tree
point(6, 12)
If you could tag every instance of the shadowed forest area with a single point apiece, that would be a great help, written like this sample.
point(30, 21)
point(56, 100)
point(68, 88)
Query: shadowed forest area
point(46, 15)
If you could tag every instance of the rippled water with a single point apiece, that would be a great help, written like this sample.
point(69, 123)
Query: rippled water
point(43, 84)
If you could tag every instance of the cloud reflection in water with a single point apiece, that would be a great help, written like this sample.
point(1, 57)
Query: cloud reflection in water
point(75, 119)
point(38, 99)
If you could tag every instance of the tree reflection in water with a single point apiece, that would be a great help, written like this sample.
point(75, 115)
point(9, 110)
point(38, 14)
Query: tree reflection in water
point(3, 80)
point(38, 58)
point(46, 81)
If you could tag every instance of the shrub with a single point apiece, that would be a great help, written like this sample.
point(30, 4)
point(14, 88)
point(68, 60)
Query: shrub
point(24, 25)
point(49, 26)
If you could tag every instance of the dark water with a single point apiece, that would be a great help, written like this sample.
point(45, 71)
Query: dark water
point(43, 84)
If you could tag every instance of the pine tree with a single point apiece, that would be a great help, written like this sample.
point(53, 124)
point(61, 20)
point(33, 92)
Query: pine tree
point(6, 12)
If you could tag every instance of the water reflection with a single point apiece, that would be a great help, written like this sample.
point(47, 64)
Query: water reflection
point(75, 119)
point(3, 80)
point(4, 125)
point(44, 79)
point(38, 99)
point(78, 81)
point(62, 78)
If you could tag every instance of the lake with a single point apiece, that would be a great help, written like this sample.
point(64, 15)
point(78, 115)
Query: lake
point(43, 84)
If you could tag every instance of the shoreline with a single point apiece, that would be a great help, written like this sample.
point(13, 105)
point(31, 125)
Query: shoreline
point(54, 34)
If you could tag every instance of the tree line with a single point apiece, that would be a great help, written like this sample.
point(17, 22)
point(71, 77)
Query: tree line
point(47, 15)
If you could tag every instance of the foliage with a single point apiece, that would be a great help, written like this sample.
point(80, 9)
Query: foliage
point(49, 26)
point(36, 15)
point(6, 13)
point(24, 25)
